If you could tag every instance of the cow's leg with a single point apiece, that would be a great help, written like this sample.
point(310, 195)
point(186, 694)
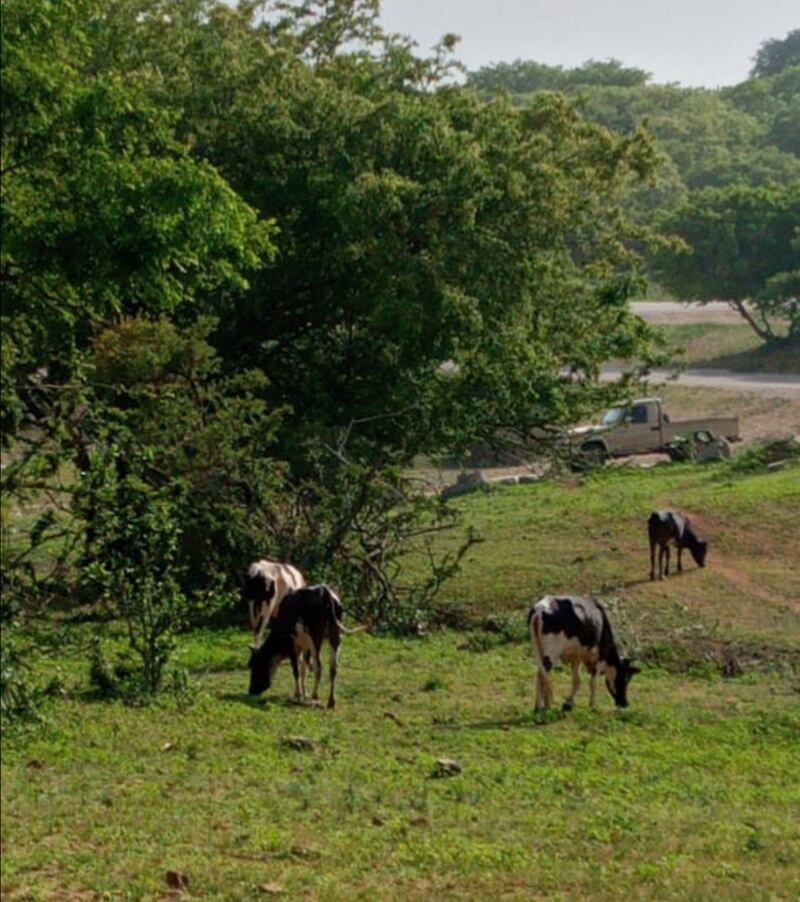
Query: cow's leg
point(680, 566)
point(332, 675)
point(298, 696)
point(661, 562)
point(592, 686)
point(544, 690)
point(316, 665)
point(652, 560)
point(666, 559)
point(569, 701)
point(303, 665)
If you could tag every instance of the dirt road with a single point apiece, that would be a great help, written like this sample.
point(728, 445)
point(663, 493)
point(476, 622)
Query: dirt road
point(775, 384)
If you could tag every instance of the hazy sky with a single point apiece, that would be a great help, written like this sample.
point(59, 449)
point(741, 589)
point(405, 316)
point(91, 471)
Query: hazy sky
point(695, 42)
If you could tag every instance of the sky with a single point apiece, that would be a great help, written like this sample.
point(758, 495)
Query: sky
point(695, 42)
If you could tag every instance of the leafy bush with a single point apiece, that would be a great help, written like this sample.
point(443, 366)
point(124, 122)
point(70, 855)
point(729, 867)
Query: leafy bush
point(760, 455)
point(366, 527)
point(137, 564)
point(116, 675)
point(21, 693)
point(19, 698)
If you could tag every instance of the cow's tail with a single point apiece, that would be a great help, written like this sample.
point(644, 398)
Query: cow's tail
point(337, 612)
point(536, 638)
point(352, 630)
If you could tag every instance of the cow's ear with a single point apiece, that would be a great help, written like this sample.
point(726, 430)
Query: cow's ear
point(634, 670)
point(253, 647)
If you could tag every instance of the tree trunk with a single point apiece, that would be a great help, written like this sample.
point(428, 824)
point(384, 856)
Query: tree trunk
point(764, 332)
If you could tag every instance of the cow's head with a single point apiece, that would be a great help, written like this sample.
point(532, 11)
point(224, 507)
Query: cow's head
point(264, 661)
point(617, 679)
point(699, 550)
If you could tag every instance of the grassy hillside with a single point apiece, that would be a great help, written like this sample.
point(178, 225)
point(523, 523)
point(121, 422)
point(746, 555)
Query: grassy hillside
point(691, 792)
point(731, 347)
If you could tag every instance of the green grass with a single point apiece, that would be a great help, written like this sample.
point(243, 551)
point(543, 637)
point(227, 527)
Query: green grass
point(692, 792)
point(590, 536)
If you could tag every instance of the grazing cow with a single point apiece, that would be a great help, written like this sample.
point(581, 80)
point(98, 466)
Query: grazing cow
point(667, 528)
point(265, 586)
point(576, 630)
point(306, 619)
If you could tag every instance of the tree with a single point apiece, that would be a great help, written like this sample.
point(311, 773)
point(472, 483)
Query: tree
point(415, 226)
point(527, 76)
point(741, 245)
point(418, 225)
point(777, 54)
point(104, 211)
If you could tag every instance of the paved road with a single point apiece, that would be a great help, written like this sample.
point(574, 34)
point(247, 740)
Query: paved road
point(677, 313)
point(776, 384)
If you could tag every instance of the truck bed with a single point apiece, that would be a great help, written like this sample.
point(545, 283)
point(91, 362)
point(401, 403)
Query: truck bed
point(728, 427)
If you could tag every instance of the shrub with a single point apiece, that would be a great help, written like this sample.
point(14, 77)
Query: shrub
point(137, 538)
point(19, 697)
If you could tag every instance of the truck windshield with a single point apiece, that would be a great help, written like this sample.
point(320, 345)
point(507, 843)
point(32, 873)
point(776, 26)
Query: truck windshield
point(614, 416)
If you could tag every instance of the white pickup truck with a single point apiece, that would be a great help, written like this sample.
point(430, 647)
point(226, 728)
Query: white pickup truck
point(642, 427)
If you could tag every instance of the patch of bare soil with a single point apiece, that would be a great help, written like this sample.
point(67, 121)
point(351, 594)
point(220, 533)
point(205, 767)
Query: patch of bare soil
point(760, 416)
point(732, 572)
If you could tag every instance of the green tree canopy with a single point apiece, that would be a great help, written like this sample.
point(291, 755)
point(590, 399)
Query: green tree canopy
point(525, 76)
point(418, 224)
point(742, 247)
point(777, 54)
point(104, 211)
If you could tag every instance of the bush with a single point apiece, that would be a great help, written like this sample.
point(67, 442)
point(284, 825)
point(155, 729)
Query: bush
point(137, 538)
point(761, 455)
point(19, 697)
point(367, 528)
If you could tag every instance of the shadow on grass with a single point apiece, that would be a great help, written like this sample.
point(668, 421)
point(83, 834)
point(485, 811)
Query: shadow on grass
point(263, 702)
point(632, 583)
point(525, 721)
point(781, 356)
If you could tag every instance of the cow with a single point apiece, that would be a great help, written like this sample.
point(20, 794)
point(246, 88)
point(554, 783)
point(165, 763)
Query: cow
point(306, 618)
point(265, 586)
point(667, 528)
point(576, 630)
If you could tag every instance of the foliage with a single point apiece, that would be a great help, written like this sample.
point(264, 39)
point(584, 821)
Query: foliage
point(741, 245)
point(137, 564)
point(171, 419)
point(415, 224)
point(525, 76)
point(356, 522)
point(104, 211)
point(777, 54)
point(19, 697)
point(746, 135)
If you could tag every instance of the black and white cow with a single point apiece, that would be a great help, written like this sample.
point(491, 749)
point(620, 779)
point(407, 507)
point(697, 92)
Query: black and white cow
point(306, 619)
point(265, 586)
point(665, 528)
point(577, 631)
